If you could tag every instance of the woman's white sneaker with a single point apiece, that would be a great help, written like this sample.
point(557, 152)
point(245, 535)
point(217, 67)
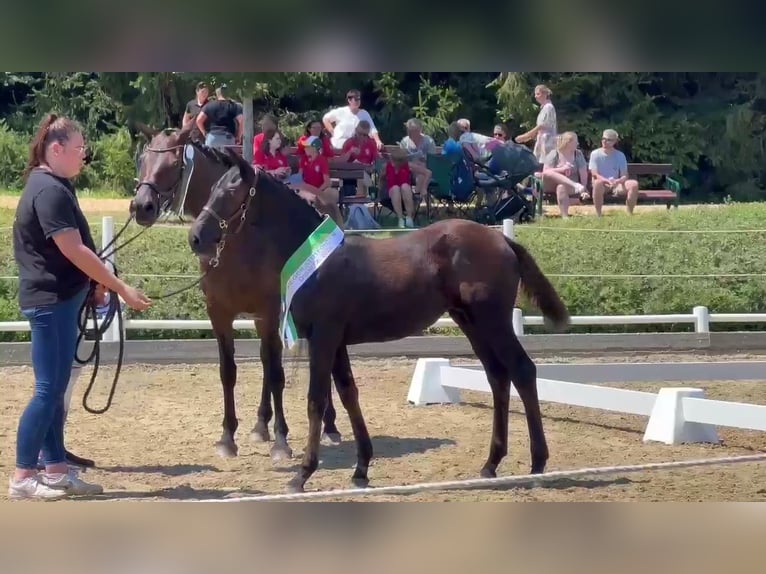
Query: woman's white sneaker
point(71, 483)
point(32, 487)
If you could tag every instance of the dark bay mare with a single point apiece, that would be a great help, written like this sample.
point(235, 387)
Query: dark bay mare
point(374, 290)
point(168, 181)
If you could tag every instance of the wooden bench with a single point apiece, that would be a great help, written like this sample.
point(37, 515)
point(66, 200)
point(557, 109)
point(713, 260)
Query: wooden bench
point(339, 170)
point(670, 194)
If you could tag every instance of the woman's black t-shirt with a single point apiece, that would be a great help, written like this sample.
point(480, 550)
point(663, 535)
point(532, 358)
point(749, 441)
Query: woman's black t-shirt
point(47, 206)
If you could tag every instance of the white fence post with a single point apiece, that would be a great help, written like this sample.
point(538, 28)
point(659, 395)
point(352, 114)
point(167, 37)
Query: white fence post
point(518, 321)
point(112, 334)
point(508, 228)
point(701, 319)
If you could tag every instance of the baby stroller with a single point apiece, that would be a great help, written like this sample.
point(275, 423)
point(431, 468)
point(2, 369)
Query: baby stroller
point(499, 176)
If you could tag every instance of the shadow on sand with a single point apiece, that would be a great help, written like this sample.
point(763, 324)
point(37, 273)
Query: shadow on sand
point(169, 470)
point(343, 455)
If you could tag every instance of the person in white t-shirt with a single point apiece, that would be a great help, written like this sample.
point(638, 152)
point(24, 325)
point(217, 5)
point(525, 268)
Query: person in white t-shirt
point(341, 122)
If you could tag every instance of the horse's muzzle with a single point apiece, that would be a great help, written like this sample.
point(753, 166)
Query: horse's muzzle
point(201, 243)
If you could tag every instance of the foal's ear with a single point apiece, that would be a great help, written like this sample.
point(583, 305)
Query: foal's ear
point(148, 132)
point(182, 138)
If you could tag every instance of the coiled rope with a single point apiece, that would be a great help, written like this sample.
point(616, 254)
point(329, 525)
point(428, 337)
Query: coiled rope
point(89, 314)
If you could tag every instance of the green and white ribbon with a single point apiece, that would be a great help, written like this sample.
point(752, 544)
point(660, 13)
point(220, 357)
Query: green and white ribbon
point(322, 242)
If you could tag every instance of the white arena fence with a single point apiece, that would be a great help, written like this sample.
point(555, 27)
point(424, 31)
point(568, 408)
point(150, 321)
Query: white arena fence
point(700, 316)
point(675, 415)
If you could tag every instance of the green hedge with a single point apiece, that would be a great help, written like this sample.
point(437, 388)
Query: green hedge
point(613, 245)
point(112, 166)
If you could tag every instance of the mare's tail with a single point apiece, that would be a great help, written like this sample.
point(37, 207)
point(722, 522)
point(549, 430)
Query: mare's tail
point(540, 290)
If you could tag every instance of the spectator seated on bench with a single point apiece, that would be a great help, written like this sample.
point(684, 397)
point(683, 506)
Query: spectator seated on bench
point(315, 178)
point(270, 158)
point(364, 150)
point(316, 129)
point(609, 168)
point(565, 171)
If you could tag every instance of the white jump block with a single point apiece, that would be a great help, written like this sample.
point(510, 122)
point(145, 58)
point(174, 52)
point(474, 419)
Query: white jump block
point(426, 385)
point(676, 415)
point(667, 423)
point(436, 382)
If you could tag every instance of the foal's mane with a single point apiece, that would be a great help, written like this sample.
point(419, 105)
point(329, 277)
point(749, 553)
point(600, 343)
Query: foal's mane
point(293, 200)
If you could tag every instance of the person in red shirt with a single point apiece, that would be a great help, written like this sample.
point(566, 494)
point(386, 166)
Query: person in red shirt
point(316, 129)
point(361, 149)
point(398, 187)
point(315, 175)
point(269, 125)
point(270, 158)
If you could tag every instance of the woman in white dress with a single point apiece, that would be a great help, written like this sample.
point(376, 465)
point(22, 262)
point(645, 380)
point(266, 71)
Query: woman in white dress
point(545, 131)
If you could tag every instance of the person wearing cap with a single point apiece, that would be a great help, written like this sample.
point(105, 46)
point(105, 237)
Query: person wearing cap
point(315, 178)
point(314, 128)
point(609, 168)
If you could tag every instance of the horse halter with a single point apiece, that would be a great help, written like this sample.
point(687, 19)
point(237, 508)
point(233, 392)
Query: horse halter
point(224, 223)
point(153, 186)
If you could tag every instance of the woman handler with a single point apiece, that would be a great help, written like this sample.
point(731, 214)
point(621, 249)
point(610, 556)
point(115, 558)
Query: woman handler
point(56, 258)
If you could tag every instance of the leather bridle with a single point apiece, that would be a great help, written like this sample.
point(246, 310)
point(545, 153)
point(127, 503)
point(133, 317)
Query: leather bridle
point(173, 190)
point(224, 222)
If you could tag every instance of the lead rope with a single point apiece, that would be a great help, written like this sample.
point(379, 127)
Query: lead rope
point(89, 312)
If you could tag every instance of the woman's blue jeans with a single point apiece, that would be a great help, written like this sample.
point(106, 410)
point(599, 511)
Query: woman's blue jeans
point(54, 343)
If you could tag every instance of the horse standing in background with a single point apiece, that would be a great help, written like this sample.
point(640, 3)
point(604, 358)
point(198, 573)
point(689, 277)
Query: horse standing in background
point(176, 174)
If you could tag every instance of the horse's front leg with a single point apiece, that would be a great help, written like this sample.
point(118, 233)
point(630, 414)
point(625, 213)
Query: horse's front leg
point(260, 432)
point(224, 333)
point(274, 381)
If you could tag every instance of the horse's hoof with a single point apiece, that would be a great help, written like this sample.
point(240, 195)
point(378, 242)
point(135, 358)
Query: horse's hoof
point(281, 452)
point(294, 487)
point(362, 482)
point(488, 473)
point(226, 449)
point(537, 469)
point(331, 438)
point(259, 435)
point(360, 479)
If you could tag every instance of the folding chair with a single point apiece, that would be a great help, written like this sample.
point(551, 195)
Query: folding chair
point(454, 183)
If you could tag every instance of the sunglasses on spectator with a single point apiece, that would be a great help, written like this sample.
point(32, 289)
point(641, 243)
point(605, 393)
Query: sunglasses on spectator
point(499, 135)
point(353, 98)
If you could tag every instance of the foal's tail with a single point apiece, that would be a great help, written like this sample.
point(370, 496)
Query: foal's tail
point(540, 290)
